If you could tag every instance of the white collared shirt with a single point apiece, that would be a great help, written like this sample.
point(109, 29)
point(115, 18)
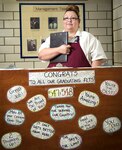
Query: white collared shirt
point(90, 45)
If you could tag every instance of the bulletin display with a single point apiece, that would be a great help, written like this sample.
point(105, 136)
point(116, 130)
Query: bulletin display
point(38, 20)
point(61, 109)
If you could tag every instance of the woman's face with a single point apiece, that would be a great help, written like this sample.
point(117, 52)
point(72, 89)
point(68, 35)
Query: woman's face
point(71, 21)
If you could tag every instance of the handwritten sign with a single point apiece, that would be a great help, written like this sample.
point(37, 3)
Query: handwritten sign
point(88, 98)
point(111, 125)
point(60, 92)
point(70, 141)
point(61, 77)
point(62, 112)
point(14, 117)
point(42, 130)
point(36, 103)
point(16, 94)
point(109, 87)
point(11, 140)
point(87, 122)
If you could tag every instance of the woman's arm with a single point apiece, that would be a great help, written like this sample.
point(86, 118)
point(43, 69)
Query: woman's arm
point(49, 53)
point(99, 62)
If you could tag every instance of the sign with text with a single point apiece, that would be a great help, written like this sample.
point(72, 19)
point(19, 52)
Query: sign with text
point(61, 77)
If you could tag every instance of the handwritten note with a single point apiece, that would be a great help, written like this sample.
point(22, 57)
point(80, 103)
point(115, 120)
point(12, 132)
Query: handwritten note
point(62, 112)
point(11, 140)
point(60, 92)
point(87, 122)
point(70, 141)
point(14, 117)
point(16, 93)
point(42, 130)
point(61, 77)
point(109, 87)
point(111, 125)
point(36, 103)
point(88, 98)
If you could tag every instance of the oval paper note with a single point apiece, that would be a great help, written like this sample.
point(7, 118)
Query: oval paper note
point(42, 130)
point(14, 117)
point(16, 94)
point(109, 87)
point(70, 141)
point(11, 140)
point(87, 122)
point(62, 112)
point(111, 125)
point(36, 103)
point(89, 99)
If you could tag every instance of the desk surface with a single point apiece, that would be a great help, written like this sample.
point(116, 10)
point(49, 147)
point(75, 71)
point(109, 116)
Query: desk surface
point(49, 109)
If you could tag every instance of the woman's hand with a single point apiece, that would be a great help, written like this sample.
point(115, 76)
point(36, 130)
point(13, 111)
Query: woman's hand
point(64, 49)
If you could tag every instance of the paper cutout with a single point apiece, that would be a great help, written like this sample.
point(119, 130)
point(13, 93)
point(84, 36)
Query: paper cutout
point(42, 130)
point(60, 92)
point(11, 140)
point(14, 117)
point(36, 103)
point(61, 77)
point(111, 125)
point(89, 99)
point(87, 122)
point(16, 93)
point(60, 112)
point(109, 87)
point(70, 141)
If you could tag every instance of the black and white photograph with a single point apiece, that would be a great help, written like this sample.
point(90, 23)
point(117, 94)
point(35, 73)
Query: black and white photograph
point(52, 23)
point(34, 23)
point(31, 45)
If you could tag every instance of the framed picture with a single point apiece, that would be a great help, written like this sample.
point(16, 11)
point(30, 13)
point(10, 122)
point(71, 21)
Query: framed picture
point(38, 20)
point(34, 22)
point(52, 23)
point(31, 45)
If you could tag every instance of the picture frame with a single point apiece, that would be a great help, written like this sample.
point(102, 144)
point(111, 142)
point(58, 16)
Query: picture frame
point(38, 20)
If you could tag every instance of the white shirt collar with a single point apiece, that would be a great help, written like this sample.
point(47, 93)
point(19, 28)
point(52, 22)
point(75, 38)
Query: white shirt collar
point(78, 33)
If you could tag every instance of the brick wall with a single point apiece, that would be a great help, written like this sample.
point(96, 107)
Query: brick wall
point(98, 22)
point(117, 31)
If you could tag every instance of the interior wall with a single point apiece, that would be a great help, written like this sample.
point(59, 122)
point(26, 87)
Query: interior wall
point(117, 31)
point(98, 21)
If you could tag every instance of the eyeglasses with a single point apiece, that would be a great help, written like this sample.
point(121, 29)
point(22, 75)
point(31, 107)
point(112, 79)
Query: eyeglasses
point(72, 19)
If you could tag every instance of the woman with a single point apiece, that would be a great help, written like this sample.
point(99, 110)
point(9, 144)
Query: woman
point(83, 50)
